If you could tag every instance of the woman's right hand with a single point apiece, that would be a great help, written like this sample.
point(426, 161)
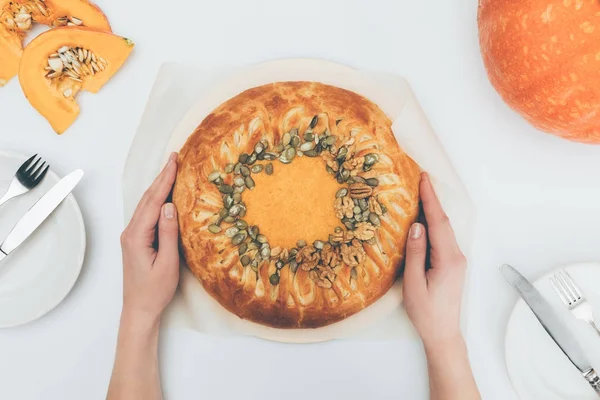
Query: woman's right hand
point(433, 297)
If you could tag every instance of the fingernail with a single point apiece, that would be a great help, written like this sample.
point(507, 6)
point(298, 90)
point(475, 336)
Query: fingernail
point(416, 231)
point(173, 156)
point(169, 211)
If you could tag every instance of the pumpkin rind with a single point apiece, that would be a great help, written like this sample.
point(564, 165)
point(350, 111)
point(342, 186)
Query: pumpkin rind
point(61, 111)
point(543, 58)
point(11, 40)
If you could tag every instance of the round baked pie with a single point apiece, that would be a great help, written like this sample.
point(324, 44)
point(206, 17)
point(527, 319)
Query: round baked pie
point(294, 204)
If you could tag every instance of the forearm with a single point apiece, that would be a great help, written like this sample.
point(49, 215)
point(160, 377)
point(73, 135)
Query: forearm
point(450, 375)
point(136, 375)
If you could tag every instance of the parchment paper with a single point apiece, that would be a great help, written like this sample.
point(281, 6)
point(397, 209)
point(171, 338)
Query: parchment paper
point(183, 96)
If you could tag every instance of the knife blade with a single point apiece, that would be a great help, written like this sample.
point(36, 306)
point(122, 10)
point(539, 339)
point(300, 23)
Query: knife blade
point(547, 316)
point(39, 212)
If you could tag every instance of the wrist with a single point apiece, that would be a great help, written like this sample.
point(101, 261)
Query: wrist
point(450, 345)
point(139, 323)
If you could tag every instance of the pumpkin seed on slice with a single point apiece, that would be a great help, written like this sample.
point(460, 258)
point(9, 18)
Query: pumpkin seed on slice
point(311, 153)
point(374, 219)
point(253, 231)
point(330, 140)
point(213, 176)
point(293, 251)
point(252, 159)
point(341, 193)
point(308, 136)
point(372, 182)
point(279, 264)
point(261, 239)
point(342, 152)
point(299, 153)
point(218, 181)
point(307, 146)
point(231, 231)
point(348, 224)
point(301, 243)
point(228, 201)
point(330, 170)
point(359, 179)
point(239, 189)
point(294, 131)
point(279, 147)
point(293, 266)
point(295, 142)
point(274, 279)
point(245, 171)
point(243, 158)
point(237, 197)
point(242, 249)
point(252, 246)
point(229, 168)
point(265, 251)
point(367, 167)
point(256, 169)
point(383, 208)
point(254, 266)
point(314, 121)
point(259, 148)
point(356, 210)
point(363, 204)
point(214, 228)
point(269, 169)
point(238, 239)
point(358, 217)
point(242, 213)
point(241, 224)
point(270, 156)
point(318, 244)
point(365, 215)
point(235, 210)
point(286, 139)
point(371, 158)
point(236, 168)
point(250, 182)
point(229, 219)
point(223, 212)
point(245, 260)
point(225, 189)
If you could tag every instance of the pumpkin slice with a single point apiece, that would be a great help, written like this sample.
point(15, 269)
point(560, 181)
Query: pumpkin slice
point(17, 18)
point(59, 63)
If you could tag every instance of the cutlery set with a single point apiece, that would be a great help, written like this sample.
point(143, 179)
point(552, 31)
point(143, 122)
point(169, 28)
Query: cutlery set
point(27, 177)
point(573, 298)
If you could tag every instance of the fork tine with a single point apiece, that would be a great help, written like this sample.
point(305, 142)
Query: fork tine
point(33, 174)
point(567, 289)
point(572, 284)
point(30, 169)
point(563, 288)
point(559, 291)
point(41, 175)
point(27, 163)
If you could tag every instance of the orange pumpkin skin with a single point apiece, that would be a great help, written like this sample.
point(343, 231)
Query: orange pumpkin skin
point(543, 58)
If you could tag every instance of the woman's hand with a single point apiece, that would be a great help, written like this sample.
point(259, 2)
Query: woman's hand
point(150, 275)
point(151, 259)
point(433, 300)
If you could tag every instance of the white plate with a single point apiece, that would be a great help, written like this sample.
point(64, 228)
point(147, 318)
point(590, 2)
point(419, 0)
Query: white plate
point(536, 366)
point(38, 275)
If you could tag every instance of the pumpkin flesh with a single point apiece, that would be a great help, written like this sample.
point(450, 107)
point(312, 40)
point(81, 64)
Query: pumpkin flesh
point(18, 16)
point(54, 97)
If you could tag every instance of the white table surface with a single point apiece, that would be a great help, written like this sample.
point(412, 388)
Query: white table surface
point(537, 196)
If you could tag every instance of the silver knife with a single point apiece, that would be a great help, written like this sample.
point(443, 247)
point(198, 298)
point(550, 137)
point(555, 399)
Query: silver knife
point(552, 324)
point(39, 212)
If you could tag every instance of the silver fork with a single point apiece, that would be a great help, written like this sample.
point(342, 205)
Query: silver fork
point(573, 298)
point(28, 176)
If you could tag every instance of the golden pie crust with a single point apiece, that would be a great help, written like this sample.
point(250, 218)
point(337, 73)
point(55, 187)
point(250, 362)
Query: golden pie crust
point(287, 201)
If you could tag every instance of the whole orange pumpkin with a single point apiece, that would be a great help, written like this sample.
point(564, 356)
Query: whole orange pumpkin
point(543, 58)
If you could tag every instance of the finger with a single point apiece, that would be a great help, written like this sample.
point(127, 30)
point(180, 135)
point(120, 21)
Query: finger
point(168, 238)
point(415, 280)
point(441, 234)
point(148, 210)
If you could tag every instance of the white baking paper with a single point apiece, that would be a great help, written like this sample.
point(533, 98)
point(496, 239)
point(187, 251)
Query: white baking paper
point(183, 96)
